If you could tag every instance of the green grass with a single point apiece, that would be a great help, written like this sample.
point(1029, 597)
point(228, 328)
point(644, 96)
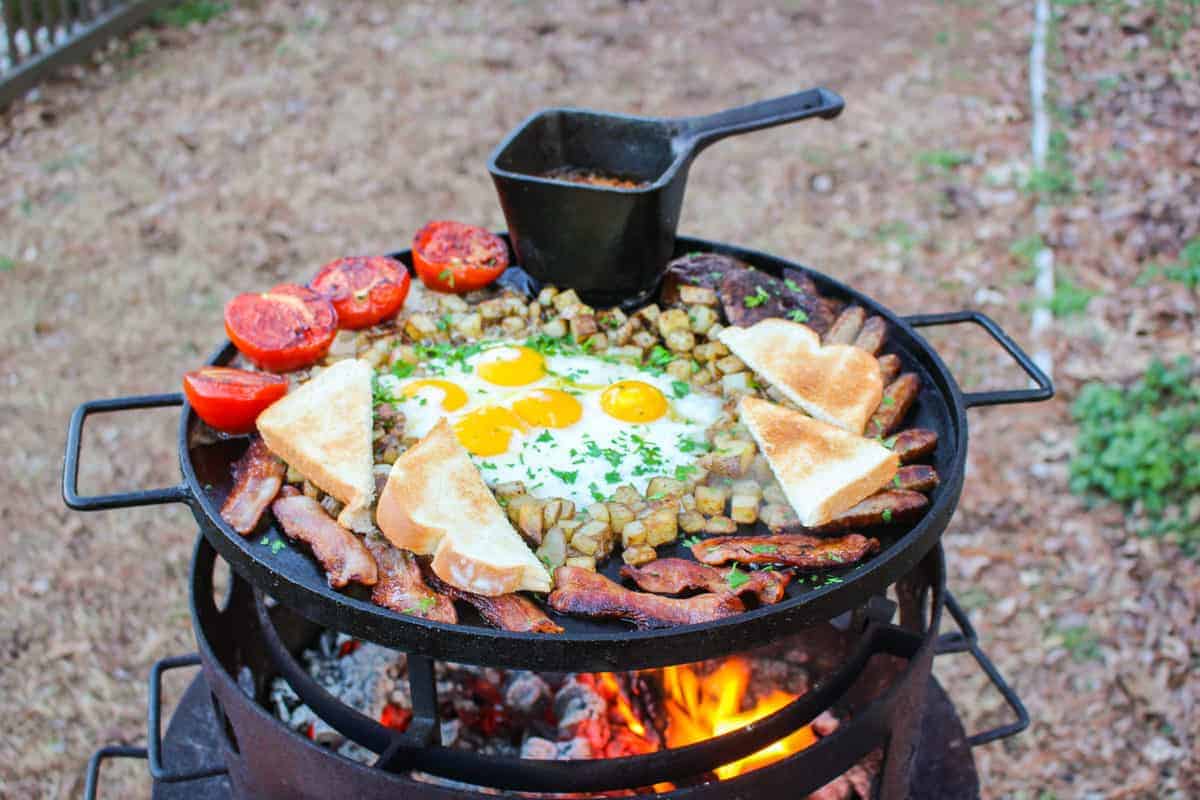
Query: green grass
point(942, 161)
point(1081, 642)
point(7, 264)
point(1170, 21)
point(1054, 183)
point(900, 233)
point(1139, 445)
point(1186, 270)
point(1069, 297)
point(184, 13)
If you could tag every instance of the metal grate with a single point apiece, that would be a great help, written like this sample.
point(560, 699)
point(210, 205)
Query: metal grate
point(38, 36)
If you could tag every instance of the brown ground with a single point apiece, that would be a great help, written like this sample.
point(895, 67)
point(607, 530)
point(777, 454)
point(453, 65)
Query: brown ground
point(135, 200)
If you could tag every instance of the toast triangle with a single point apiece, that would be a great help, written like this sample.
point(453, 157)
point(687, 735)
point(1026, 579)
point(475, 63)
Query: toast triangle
point(323, 430)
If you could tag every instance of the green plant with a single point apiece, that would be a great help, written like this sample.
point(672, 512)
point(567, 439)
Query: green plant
point(943, 160)
point(1068, 300)
point(1186, 270)
point(900, 233)
point(1081, 642)
point(185, 12)
point(1140, 446)
point(7, 264)
point(1054, 183)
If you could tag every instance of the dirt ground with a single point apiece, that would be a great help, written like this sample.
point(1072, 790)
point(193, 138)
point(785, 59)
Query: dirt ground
point(136, 198)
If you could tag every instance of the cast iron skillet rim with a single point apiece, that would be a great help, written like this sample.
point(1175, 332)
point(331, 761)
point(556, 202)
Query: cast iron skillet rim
point(678, 161)
point(454, 642)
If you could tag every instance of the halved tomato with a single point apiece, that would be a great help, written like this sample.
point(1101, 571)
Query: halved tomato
point(364, 290)
point(284, 329)
point(453, 257)
point(230, 399)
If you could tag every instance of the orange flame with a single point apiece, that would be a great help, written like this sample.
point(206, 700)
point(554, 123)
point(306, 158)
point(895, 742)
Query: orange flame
point(700, 708)
point(612, 692)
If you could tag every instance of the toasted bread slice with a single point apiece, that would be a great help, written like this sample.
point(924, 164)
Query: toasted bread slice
point(436, 503)
point(823, 470)
point(837, 383)
point(323, 430)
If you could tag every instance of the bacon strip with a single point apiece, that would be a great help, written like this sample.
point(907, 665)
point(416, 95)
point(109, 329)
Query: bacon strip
point(675, 575)
point(340, 552)
point(581, 591)
point(510, 612)
point(785, 549)
point(401, 587)
point(257, 478)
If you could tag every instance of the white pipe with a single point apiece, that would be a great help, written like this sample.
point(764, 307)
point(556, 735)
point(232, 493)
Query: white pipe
point(1039, 142)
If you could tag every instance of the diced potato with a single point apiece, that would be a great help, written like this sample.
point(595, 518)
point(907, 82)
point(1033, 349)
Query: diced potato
point(778, 516)
point(627, 495)
point(553, 549)
point(624, 333)
point(773, 493)
point(452, 304)
point(662, 526)
point(583, 326)
point(509, 489)
point(492, 310)
point(697, 295)
point(710, 500)
point(701, 318)
point(720, 524)
point(737, 383)
point(661, 488)
point(680, 341)
point(566, 299)
point(710, 351)
point(639, 554)
point(730, 365)
point(569, 526)
point(512, 325)
point(649, 314)
point(406, 353)
point(469, 326)
point(568, 509)
point(673, 319)
point(629, 353)
point(529, 519)
point(714, 331)
point(555, 328)
point(743, 508)
point(597, 342)
point(546, 296)
point(761, 471)
point(749, 488)
point(593, 539)
point(421, 326)
point(583, 562)
point(703, 377)
point(691, 521)
point(598, 512)
point(619, 515)
point(731, 461)
point(612, 318)
point(377, 353)
point(551, 511)
point(688, 502)
point(680, 369)
point(634, 533)
point(644, 339)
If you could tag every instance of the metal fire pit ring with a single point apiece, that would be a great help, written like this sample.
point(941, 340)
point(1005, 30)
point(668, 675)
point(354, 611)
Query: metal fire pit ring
point(294, 578)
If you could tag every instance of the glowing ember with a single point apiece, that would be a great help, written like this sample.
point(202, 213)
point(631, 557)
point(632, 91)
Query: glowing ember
point(701, 707)
point(607, 683)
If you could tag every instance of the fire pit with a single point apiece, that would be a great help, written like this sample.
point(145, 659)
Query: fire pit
point(830, 685)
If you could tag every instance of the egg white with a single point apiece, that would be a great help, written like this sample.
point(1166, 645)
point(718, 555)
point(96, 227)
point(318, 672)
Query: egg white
point(583, 462)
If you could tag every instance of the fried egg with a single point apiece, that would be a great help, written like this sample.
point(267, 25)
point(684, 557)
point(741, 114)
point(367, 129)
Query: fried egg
point(570, 425)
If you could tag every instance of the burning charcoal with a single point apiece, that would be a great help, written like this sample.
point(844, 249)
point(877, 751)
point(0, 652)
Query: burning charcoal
point(837, 789)
point(860, 777)
point(825, 724)
point(575, 703)
point(539, 748)
point(526, 694)
point(579, 747)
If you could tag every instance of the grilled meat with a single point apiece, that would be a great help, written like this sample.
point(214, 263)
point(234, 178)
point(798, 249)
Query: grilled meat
point(675, 575)
point(898, 397)
point(889, 367)
point(401, 587)
point(846, 327)
point(589, 594)
point(914, 444)
point(340, 552)
point(257, 478)
point(917, 478)
point(510, 612)
point(872, 336)
point(786, 549)
point(890, 507)
point(697, 269)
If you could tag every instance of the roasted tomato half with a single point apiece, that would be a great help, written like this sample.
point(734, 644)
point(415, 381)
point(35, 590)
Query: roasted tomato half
point(286, 328)
point(364, 290)
point(230, 399)
point(453, 257)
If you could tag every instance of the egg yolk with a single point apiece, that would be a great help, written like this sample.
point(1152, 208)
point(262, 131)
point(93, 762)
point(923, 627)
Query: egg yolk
point(453, 397)
point(548, 408)
point(511, 366)
point(487, 431)
point(633, 401)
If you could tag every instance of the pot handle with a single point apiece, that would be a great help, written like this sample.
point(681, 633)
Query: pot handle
point(1045, 388)
point(91, 783)
point(965, 640)
point(696, 133)
point(159, 771)
point(70, 484)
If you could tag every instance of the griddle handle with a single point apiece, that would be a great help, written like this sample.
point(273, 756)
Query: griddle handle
point(158, 770)
point(965, 640)
point(696, 133)
point(70, 483)
point(99, 757)
point(1044, 389)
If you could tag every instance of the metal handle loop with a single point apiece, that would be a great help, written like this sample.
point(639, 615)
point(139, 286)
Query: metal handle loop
point(99, 757)
point(158, 770)
point(70, 484)
point(966, 640)
point(1045, 388)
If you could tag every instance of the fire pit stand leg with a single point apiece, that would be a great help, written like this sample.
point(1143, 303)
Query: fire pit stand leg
point(425, 725)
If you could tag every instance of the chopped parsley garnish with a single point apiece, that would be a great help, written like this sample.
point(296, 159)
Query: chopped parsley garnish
point(565, 476)
point(736, 577)
point(889, 442)
point(691, 541)
point(656, 496)
point(402, 369)
point(447, 277)
point(423, 605)
point(660, 356)
point(380, 393)
point(791, 284)
point(597, 495)
point(764, 548)
point(681, 389)
point(759, 297)
point(797, 315)
point(443, 324)
point(544, 436)
point(691, 446)
point(888, 400)
point(887, 515)
point(682, 471)
point(896, 480)
point(612, 477)
point(265, 540)
point(716, 276)
point(486, 465)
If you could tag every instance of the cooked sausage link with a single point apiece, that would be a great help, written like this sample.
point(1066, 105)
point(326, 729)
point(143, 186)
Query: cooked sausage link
point(891, 507)
point(889, 367)
point(898, 398)
point(845, 330)
point(914, 443)
point(917, 478)
point(872, 336)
